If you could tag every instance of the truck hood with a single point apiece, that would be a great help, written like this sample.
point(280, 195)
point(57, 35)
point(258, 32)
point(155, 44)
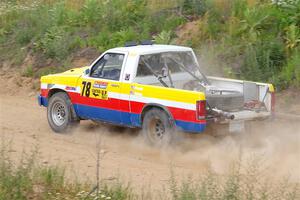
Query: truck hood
point(75, 71)
point(72, 74)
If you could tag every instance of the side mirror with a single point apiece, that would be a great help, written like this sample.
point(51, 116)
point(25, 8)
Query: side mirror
point(87, 71)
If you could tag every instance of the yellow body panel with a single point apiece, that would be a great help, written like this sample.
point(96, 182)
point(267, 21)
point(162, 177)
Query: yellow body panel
point(170, 94)
point(68, 78)
point(74, 78)
point(149, 91)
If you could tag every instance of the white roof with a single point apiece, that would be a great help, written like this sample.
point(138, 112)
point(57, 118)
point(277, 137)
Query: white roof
point(149, 49)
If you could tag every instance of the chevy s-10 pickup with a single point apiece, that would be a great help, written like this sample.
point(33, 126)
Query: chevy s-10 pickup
point(159, 88)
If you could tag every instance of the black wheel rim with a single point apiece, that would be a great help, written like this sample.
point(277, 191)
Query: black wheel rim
point(157, 130)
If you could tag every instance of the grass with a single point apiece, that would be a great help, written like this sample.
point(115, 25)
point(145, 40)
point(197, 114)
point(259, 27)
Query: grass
point(237, 183)
point(27, 178)
point(249, 39)
point(28, 72)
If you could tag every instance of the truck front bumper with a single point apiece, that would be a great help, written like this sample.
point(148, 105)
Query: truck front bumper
point(42, 101)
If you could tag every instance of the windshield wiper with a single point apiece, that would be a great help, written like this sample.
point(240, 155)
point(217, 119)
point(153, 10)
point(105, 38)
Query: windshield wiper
point(156, 75)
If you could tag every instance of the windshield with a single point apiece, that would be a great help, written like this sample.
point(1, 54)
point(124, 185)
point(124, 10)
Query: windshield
point(170, 69)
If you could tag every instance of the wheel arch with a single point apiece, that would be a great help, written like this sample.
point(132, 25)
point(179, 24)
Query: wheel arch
point(56, 90)
point(150, 106)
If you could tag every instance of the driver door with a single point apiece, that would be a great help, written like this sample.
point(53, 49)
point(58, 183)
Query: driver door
point(100, 90)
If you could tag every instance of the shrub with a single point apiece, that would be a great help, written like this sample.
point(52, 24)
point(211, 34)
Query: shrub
point(290, 75)
point(292, 38)
point(165, 37)
point(194, 7)
point(28, 71)
point(268, 60)
point(55, 43)
point(91, 12)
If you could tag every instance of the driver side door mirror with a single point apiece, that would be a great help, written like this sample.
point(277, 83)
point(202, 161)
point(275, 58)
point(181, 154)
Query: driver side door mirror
point(87, 72)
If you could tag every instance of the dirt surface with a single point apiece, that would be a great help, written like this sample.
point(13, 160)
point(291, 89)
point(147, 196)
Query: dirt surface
point(125, 156)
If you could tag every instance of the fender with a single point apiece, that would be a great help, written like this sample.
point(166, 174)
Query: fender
point(156, 105)
point(54, 90)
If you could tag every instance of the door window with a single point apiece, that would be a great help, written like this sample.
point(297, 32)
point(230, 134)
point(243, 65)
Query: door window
point(108, 67)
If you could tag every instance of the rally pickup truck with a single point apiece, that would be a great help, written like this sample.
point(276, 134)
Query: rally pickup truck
point(158, 88)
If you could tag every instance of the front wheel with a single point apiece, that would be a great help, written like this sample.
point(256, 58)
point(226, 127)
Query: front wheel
point(157, 128)
point(59, 113)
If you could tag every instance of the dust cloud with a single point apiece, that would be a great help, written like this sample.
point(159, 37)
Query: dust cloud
point(275, 145)
point(126, 156)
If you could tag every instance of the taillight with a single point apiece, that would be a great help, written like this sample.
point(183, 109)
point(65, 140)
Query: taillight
point(273, 102)
point(201, 109)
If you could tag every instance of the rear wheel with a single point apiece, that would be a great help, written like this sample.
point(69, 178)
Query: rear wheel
point(60, 113)
point(157, 127)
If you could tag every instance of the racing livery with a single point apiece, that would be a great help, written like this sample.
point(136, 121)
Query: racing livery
point(156, 87)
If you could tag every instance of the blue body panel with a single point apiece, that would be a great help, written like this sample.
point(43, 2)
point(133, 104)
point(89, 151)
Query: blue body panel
point(122, 118)
point(42, 101)
point(129, 119)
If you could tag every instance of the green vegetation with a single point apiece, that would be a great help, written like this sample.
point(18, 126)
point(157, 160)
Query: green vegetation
point(261, 38)
point(257, 40)
point(27, 178)
point(55, 29)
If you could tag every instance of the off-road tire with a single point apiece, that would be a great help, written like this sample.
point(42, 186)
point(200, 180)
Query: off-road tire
point(157, 128)
point(60, 113)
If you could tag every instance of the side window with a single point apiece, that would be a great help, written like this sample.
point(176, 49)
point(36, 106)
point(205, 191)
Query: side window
point(142, 70)
point(153, 61)
point(108, 67)
point(156, 62)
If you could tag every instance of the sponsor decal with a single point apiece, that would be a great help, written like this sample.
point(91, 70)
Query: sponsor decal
point(127, 77)
point(70, 88)
point(100, 94)
point(98, 90)
point(100, 84)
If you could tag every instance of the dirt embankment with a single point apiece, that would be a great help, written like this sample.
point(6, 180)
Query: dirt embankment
point(124, 155)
